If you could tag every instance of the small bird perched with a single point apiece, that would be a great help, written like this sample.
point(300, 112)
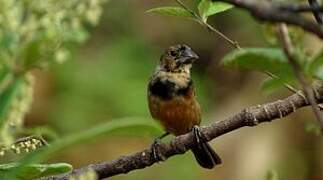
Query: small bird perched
point(172, 101)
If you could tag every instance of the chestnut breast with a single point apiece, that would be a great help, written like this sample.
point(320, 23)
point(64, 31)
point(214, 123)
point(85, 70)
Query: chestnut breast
point(174, 106)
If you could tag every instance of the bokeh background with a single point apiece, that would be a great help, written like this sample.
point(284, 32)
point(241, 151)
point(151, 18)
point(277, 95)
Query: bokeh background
point(106, 78)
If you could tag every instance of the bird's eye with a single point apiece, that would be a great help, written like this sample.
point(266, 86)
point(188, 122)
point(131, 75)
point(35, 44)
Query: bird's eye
point(173, 53)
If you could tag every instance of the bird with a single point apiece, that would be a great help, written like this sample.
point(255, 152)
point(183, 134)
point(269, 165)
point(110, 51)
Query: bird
point(172, 101)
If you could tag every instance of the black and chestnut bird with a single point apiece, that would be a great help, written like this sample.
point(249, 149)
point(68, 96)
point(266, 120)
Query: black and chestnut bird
point(172, 100)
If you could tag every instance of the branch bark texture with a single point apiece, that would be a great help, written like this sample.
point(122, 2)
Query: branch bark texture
point(272, 12)
point(247, 117)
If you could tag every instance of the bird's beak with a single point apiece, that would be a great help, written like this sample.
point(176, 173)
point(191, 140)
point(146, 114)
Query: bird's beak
point(188, 57)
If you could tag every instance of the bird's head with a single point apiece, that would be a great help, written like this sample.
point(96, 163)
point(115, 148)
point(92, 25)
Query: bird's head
point(178, 58)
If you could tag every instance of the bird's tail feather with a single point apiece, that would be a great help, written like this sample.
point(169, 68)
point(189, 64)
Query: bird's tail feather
point(206, 156)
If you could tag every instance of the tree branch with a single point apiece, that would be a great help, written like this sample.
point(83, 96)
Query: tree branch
point(247, 117)
point(272, 13)
point(318, 16)
point(301, 8)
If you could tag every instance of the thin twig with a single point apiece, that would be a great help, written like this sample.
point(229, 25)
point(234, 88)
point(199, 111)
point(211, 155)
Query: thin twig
point(308, 91)
point(208, 26)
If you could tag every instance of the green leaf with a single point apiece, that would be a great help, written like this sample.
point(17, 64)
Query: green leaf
point(208, 8)
point(261, 59)
point(34, 171)
point(315, 67)
point(138, 126)
point(271, 85)
point(172, 11)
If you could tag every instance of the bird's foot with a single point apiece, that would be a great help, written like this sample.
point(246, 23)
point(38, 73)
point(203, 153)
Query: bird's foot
point(155, 148)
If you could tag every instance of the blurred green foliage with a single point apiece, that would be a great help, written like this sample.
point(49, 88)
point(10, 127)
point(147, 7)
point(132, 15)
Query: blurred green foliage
point(315, 67)
point(270, 60)
point(111, 85)
point(34, 171)
point(274, 61)
point(34, 34)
